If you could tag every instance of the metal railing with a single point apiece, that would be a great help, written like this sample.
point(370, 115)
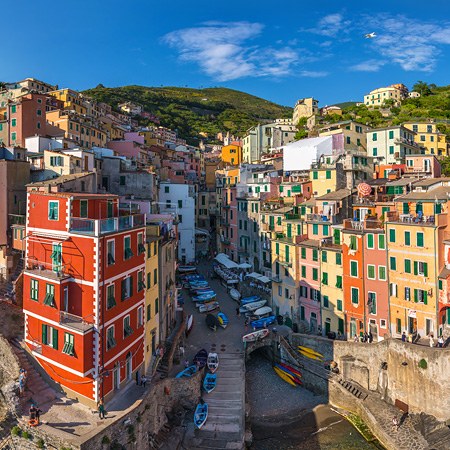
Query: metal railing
point(47, 269)
point(76, 322)
point(97, 227)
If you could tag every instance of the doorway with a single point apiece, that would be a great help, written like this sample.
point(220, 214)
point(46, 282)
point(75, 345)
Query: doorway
point(352, 328)
point(116, 377)
point(412, 325)
point(313, 323)
point(429, 328)
point(373, 328)
point(129, 366)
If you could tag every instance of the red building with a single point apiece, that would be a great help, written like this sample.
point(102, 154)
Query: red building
point(84, 290)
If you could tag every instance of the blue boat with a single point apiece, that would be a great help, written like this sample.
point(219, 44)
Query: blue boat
point(193, 277)
point(201, 291)
point(209, 383)
point(188, 372)
point(198, 284)
point(252, 299)
point(204, 297)
point(201, 414)
point(263, 323)
point(223, 319)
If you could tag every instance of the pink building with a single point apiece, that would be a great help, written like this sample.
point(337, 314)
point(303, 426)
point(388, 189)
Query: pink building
point(423, 165)
point(229, 236)
point(132, 146)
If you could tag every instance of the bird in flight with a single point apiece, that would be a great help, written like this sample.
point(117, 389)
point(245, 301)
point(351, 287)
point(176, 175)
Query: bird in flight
point(370, 35)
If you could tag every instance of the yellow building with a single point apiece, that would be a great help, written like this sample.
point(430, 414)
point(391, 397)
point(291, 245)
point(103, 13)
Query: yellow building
point(151, 295)
point(415, 235)
point(232, 154)
point(331, 287)
point(354, 133)
point(62, 164)
point(323, 180)
point(152, 138)
point(72, 100)
point(429, 137)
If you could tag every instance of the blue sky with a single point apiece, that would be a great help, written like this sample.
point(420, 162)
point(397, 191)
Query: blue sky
point(281, 51)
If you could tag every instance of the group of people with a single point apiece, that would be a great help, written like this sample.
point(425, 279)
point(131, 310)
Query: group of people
point(410, 339)
point(366, 337)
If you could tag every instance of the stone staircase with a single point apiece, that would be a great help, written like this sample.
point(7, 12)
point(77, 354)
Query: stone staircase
point(291, 352)
point(353, 389)
point(225, 426)
point(37, 390)
point(7, 287)
point(162, 368)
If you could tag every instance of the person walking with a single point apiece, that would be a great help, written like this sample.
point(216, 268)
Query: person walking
point(395, 423)
point(143, 380)
point(101, 410)
point(370, 337)
point(431, 341)
point(410, 338)
point(440, 341)
point(403, 337)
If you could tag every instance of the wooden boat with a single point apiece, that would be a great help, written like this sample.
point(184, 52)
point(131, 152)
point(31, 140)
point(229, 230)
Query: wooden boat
point(189, 324)
point(284, 376)
point(252, 299)
point(223, 319)
point(310, 350)
point(201, 414)
point(209, 382)
point(187, 269)
point(263, 323)
point(188, 372)
point(209, 307)
point(235, 294)
point(213, 362)
point(249, 307)
point(256, 335)
point(295, 378)
point(211, 322)
point(291, 369)
point(310, 355)
point(200, 358)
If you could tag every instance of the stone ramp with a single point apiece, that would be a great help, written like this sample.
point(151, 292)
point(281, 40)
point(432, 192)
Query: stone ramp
point(225, 426)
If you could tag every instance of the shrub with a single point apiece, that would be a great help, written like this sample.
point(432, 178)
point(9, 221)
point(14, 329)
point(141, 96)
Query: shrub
point(40, 443)
point(16, 431)
point(26, 435)
point(105, 440)
point(423, 364)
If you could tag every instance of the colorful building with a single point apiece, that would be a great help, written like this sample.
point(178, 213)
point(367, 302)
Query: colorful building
point(232, 154)
point(429, 137)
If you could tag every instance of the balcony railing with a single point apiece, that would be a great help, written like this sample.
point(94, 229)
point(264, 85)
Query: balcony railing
point(17, 219)
point(438, 220)
point(276, 278)
point(97, 227)
point(368, 224)
point(317, 218)
point(45, 269)
point(76, 322)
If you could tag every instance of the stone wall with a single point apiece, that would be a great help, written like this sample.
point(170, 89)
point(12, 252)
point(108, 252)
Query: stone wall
point(423, 390)
point(9, 375)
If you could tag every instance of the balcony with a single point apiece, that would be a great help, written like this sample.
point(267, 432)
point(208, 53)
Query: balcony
point(76, 323)
point(407, 142)
point(267, 264)
point(318, 218)
point(436, 220)
point(368, 224)
point(225, 240)
point(17, 219)
point(243, 251)
point(98, 227)
point(292, 216)
point(276, 278)
point(46, 270)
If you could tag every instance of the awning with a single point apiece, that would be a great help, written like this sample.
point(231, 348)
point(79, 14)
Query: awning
point(225, 261)
point(245, 266)
point(264, 279)
point(200, 231)
point(254, 275)
point(259, 277)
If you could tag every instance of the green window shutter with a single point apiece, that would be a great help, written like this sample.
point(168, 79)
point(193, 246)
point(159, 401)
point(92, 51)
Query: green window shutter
point(405, 208)
point(440, 284)
point(286, 253)
point(355, 295)
point(338, 258)
point(303, 271)
point(425, 297)
point(303, 252)
point(289, 230)
point(353, 268)
point(337, 236)
point(55, 338)
point(419, 239)
point(353, 245)
point(325, 301)
point(381, 242)
point(315, 255)
point(299, 228)
point(393, 263)
point(416, 299)
point(325, 230)
point(44, 334)
point(324, 256)
point(339, 305)
point(339, 281)
point(425, 269)
point(416, 270)
point(382, 273)
point(277, 248)
point(407, 266)
point(315, 274)
point(371, 271)
point(407, 238)
point(391, 235)
point(315, 229)
point(328, 175)
point(370, 243)
point(325, 278)
point(315, 175)
point(281, 188)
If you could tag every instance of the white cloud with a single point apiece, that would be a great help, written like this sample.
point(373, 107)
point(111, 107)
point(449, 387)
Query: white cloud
point(331, 25)
point(225, 51)
point(371, 65)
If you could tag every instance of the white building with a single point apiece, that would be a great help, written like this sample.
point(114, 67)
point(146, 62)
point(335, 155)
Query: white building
point(391, 145)
point(305, 107)
point(377, 97)
point(179, 200)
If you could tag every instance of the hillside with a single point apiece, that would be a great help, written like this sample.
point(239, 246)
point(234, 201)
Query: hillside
point(195, 111)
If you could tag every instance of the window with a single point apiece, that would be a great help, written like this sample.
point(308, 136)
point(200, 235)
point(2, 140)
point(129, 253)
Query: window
point(374, 151)
point(315, 175)
point(420, 268)
point(140, 281)
point(303, 253)
point(339, 258)
point(407, 266)
point(325, 230)
point(315, 274)
point(53, 210)
point(111, 252)
point(325, 301)
point(140, 241)
point(324, 256)
point(391, 235)
point(315, 229)
point(280, 291)
point(180, 203)
point(39, 112)
point(328, 174)
point(371, 271)
point(122, 180)
point(339, 281)
point(374, 136)
point(140, 316)
point(155, 276)
point(156, 306)
point(110, 296)
point(381, 242)
point(370, 241)
point(34, 290)
point(127, 287)
point(339, 305)
point(393, 263)
point(127, 330)
point(315, 255)
point(325, 278)
point(419, 239)
point(68, 344)
point(286, 293)
point(13, 109)
point(110, 339)
point(14, 122)
point(127, 252)
point(407, 238)
point(399, 326)
point(354, 268)
point(277, 248)
point(393, 289)
point(391, 134)
point(372, 302)
point(391, 149)
point(420, 296)
point(50, 336)
point(49, 299)
point(382, 273)
point(149, 312)
point(407, 293)
point(303, 270)
point(56, 257)
point(353, 243)
point(83, 208)
point(355, 295)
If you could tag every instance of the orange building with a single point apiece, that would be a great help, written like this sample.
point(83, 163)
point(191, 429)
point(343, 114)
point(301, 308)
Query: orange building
point(84, 289)
point(232, 154)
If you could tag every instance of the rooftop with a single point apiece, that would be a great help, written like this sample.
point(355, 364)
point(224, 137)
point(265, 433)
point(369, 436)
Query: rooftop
point(340, 194)
point(440, 193)
point(426, 182)
point(59, 180)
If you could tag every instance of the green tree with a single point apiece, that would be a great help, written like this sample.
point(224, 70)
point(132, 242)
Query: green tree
point(422, 88)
